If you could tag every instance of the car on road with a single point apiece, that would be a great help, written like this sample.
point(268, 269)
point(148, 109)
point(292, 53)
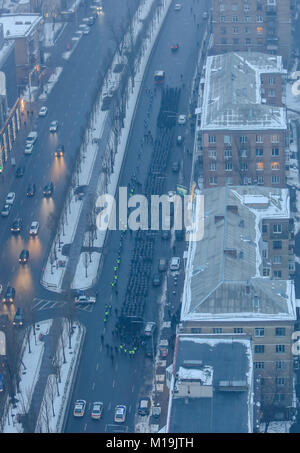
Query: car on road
point(148, 345)
point(179, 140)
point(144, 406)
point(177, 7)
point(86, 30)
point(24, 257)
point(1, 289)
point(149, 328)
point(181, 119)
point(53, 126)
point(18, 318)
point(175, 263)
point(9, 295)
point(162, 265)
point(156, 280)
point(20, 172)
point(120, 413)
point(97, 410)
point(174, 47)
point(16, 226)
point(34, 228)
point(60, 150)
point(91, 20)
point(48, 189)
point(163, 348)
point(6, 210)
point(28, 148)
point(10, 198)
point(31, 190)
point(79, 408)
point(84, 299)
point(31, 138)
point(175, 166)
point(1, 383)
point(43, 111)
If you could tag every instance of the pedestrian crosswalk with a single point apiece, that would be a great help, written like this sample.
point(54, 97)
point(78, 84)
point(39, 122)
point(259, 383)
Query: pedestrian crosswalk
point(39, 304)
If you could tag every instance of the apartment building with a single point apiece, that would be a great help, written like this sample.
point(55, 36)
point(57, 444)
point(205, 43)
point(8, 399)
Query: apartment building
point(242, 125)
point(232, 284)
point(252, 25)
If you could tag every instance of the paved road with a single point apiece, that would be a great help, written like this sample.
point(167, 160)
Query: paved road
point(69, 102)
point(123, 380)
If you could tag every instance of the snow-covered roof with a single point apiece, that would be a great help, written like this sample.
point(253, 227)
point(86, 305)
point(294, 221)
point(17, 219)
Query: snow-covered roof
point(204, 375)
point(224, 279)
point(232, 92)
point(19, 25)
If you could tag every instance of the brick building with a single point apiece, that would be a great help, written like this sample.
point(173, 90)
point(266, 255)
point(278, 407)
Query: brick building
point(228, 291)
point(242, 124)
point(252, 25)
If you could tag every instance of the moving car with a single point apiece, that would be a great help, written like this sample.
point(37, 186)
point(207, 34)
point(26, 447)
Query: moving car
point(149, 328)
point(120, 413)
point(148, 344)
point(28, 148)
point(9, 295)
point(20, 172)
point(18, 318)
point(179, 140)
point(175, 263)
point(162, 265)
point(59, 152)
point(159, 77)
point(79, 408)
point(31, 190)
point(175, 166)
point(48, 189)
point(144, 406)
point(91, 21)
point(43, 111)
point(181, 119)
point(6, 210)
point(34, 228)
point(10, 198)
point(177, 7)
point(16, 226)
point(174, 47)
point(97, 410)
point(156, 280)
point(31, 138)
point(53, 126)
point(84, 299)
point(24, 257)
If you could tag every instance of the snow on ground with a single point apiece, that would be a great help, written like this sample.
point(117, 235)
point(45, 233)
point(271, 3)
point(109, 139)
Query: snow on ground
point(29, 374)
point(58, 392)
point(84, 278)
point(277, 427)
point(29, 93)
point(292, 100)
point(51, 32)
point(51, 82)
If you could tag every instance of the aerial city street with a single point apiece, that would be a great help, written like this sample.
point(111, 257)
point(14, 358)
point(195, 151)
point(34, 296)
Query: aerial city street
point(149, 216)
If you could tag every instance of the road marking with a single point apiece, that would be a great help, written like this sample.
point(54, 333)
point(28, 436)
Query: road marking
point(132, 389)
point(97, 366)
point(116, 367)
point(85, 426)
point(47, 303)
point(93, 386)
point(101, 347)
point(109, 405)
point(113, 384)
point(129, 409)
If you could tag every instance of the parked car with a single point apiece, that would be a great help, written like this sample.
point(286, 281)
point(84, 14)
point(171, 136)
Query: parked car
point(48, 189)
point(31, 138)
point(97, 410)
point(163, 348)
point(9, 295)
point(6, 210)
point(84, 299)
point(120, 413)
point(31, 190)
point(162, 265)
point(16, 226)
point(53, 126)
point(18, 318)
point(149, 328)
point(20, 172)
point(10, 198)
point(34, 228)
point(43, 111)
point(181, 119)
point(28, 148)
point(148, 345)
point(174, 47)
point(175, 263)
point(144, 406)
point(24, 257)
point(79, 408)
point(156, 280)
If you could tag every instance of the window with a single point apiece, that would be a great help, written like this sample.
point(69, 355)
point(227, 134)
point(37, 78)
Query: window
point(227, 139)
point(247, 19)
point(277, 259)
point(229, 181)
point(260, 180)
point(280, 348)
point(235, 40)
point(277, 245)
point(244, 166)
point(272, 80)
point(275, 179)
point(213, 180)
point(265, 228)
point(277, 274)
point(259, 19)
point(238, 330)
point(272, 93)
point(246, 8)
point(235, 30)
point(212, 166)
point(212, 139)
point(243, 139)
point(235, 19)
point(243, 153)
point(277, 228)
point(259, 29)
point(275, 152)
point(227, 153)
point(279, 397)
point(212, 153)
point(248, 41)
point(223, 30)
point(217, 330)
point(266, 272)
point(223, 19)
point(223, 41)
point(259, 332)
point(259, 349)
point(247, 30)
point(222, 7)
point(259, 365)
point(259, 139)
point(291, 266)
point(264, 253)
point(196, 330)
point(280, 331)
point(274, 138)
point(234, 7)
point(228, 166)
point(279, 381)
point(259, 165)
point(279, 364)
point(259, 152)
point(275, 165)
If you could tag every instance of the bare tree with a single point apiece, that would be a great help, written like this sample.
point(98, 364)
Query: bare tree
point(51, 391)
point(86, 263)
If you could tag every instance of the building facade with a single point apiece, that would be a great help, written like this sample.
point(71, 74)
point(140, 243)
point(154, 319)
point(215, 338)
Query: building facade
point(252, 25)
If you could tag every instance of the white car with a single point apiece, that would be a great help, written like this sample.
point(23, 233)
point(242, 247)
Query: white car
point(84, 299)
point(53, 126)
point(177, 7)
point(182, 119)
point(32, 137)
point(43, 111)
point(28, 148)
point(175, 263)
point(97, 410)
point(120, 413)
point(79, 408)
point(10, 198)
point(34, 228)
point(5, 210)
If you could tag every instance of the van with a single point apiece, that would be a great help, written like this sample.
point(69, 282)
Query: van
point(31, 138)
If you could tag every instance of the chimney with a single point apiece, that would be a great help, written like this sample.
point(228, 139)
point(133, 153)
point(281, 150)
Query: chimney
point(233, 209)
point(231, 252)
point(219, 218)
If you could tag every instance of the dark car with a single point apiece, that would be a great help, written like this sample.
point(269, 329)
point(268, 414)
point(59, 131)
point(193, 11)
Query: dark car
point(60, 150)
point(20, 172)
point(174, 47)
point(156, 280)
point(24, 257)
point(148, 345)
point(48, 189)
point(144, 406)
point(31, 190)
point(18, 318)
point(16, 226)
point(175, 166)
point(9, 295)
point(162, 265)
point(91, 20)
